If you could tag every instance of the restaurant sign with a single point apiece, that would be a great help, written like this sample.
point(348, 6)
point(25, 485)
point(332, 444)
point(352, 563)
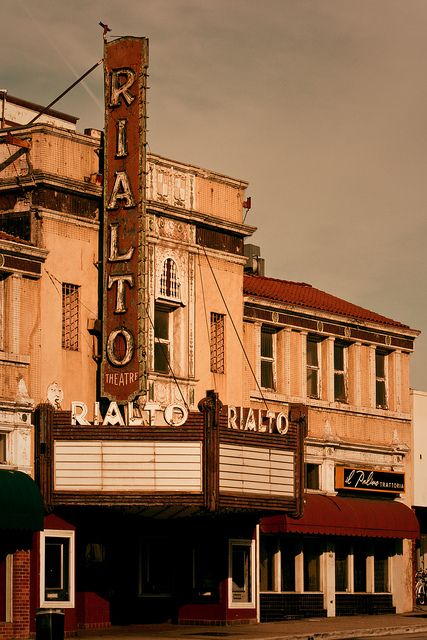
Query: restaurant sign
point(354, 479)
point(125, 67)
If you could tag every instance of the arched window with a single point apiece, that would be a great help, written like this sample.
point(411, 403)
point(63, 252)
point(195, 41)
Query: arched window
point(169, 282)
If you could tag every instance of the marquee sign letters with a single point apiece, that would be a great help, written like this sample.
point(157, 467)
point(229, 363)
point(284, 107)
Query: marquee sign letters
point(125, 62)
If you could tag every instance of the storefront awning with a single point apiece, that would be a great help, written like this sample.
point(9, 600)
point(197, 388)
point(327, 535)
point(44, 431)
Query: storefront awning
point(21, 506)
point(332, 515)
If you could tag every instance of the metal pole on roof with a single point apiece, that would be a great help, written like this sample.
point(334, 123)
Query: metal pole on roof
point(36, 117)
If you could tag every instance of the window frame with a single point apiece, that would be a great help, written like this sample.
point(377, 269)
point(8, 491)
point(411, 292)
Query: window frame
point(70, 336)
point(59, 534)
point(381, 379)
point(342, 373)
point(318, 467)
point(249, 545)
point(217, 342)
point(270, 360)
point(3, 311)
point(169, 284)
point(166, 343)
point(314, 368)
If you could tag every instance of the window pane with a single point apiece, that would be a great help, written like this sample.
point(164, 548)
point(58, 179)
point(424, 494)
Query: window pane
point(311, 566)
point(312, 383)
point(312, 353)
point(268, 549)
point(217, 342)
point(56, 568)
point(266, 344)
point(338, 357)
point(339, 387)
point(381, 401)
point(266, 374)
point(156, 563)
point(3, 447)
point(161, 357)
point(341, 568)
point(53, 565)
point(70, 317)
point(161, 324)
point(241, 573)
point(379, 364)
point(288, 553)
point(360, 569)
point(312, 476)
point(381, 570)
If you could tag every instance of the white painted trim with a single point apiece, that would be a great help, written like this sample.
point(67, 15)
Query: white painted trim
point(250, 544)
point(58, 533)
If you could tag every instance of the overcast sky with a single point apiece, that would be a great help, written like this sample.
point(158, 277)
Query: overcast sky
point(320, 104)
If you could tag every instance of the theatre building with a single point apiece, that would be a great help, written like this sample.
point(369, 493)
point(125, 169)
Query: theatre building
point(352, 551)
point(154, 489)
point(178, 397)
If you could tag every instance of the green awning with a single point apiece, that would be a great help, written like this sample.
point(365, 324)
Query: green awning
point(21, 505)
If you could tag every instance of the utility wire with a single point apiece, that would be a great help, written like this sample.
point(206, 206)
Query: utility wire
point(208, 333)
point(235, 328)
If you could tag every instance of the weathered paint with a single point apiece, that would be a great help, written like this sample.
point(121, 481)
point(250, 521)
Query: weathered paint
point(123, 367)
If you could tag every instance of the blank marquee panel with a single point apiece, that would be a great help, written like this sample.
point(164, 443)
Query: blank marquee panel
point(128, 466)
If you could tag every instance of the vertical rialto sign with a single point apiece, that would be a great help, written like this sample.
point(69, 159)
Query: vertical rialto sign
point(125, 73)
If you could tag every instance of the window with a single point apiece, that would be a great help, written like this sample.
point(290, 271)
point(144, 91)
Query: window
point(3, 449)
point(241, 572)
point(340, 372)
point(169, 283)
point(312, 476)
point(380, 380)
point(360, 555)
point(313, 370)
point(70, 317)
point(341, 567)
point(206, 574)
point(267, 358)
point(57, 568)
point(312, 554)
point(381, 564)
point(156, 560)
point(2, 312)
point(217, 343)
point(267, 554)
point(288, 551)
point(161, 340)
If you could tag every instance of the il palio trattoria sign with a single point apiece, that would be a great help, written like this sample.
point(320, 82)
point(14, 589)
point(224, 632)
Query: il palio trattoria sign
point(125, 65)
point(355, 479)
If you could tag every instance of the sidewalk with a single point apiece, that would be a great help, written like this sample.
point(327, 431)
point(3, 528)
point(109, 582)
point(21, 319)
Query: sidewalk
point(307, 629)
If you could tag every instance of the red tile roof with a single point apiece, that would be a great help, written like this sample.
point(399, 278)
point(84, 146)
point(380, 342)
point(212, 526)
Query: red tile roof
point(304, 295)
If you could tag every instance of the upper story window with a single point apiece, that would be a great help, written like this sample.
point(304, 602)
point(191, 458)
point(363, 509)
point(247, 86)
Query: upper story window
point(313, 367)
point(311, 475)
point(3, 448)
point(217, 343)
point(2, 312)
point(380, 380)
point(268, 349)
point(162, 343)
point(340, 372)
point(70, 316)
point(169, 281)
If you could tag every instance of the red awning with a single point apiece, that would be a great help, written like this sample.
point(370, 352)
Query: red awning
point(332, 515)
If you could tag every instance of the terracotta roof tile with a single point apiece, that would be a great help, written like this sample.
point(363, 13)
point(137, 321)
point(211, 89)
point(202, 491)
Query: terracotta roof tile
point(304, 295)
